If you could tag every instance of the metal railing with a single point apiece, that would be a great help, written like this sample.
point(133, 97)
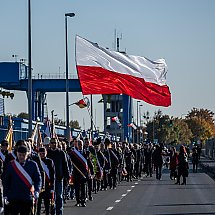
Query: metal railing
point(24, 75)
point(54, 76)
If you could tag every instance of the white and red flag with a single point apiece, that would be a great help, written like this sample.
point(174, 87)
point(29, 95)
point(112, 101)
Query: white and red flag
point(83, 103)
point(102, 71)
point(133, 126)
point(117, 120)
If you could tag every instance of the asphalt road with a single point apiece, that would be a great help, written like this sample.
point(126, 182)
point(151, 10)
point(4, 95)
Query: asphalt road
point(149, 196)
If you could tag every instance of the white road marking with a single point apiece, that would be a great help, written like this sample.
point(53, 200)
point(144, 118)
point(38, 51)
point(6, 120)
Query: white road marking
point(109, 208)
point(123, 195)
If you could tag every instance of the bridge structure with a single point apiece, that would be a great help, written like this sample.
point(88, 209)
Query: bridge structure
point(14, 76)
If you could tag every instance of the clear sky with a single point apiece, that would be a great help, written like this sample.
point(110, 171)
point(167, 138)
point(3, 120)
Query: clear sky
point(180, 31)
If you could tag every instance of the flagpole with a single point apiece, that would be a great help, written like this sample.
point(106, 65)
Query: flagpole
point(52, 124)
point(91, 107)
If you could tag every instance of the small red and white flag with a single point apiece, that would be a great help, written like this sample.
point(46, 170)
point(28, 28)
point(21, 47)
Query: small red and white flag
point(133, 126)
point(116, 119)
point(102, 71)
point(83, 103)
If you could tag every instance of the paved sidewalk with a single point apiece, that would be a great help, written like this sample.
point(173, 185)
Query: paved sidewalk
point(208, 166)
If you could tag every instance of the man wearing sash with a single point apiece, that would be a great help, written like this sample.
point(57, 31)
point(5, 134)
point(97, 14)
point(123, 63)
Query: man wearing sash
point(21, 183)
point(114, 161)
point(8, 158)
point(80, 172)
point(48, 193)
point(61, 172)
point(92, 163)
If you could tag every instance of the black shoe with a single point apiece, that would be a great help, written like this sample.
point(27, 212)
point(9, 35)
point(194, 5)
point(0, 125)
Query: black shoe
point(90, 198)
point(77, 205)
point(83, 204)
point(177, 182)
point(184, 183)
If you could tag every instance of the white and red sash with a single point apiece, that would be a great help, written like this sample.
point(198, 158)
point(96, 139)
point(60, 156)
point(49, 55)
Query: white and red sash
point(46, 171)
point(12, 155)
point(23, 175)
point(2, 157)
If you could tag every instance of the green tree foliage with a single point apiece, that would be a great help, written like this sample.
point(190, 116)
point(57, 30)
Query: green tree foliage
point(201, 123)
point(168, 130)
point(23, 115)
point(179, 132)
point(74, 124)
point(59, 122)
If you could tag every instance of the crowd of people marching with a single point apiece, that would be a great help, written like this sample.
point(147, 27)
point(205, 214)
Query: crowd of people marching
point(49, 175)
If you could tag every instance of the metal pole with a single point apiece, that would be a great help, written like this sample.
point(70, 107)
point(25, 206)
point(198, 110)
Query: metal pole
point(137, 121)
point(141, 134)
point(153, 131)
point(67, 80)
point(29, 72)
point(67, 86)
point(52, 123)
point(91, 109)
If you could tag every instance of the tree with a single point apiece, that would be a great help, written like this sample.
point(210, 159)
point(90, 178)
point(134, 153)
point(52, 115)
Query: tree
point(201, 123)
point(59, 122)
point(23, 115)
point(168, 130)
point(74, 124)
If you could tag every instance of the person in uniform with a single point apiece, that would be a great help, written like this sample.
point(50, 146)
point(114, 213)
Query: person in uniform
point(48, 194)
point(21, 183)
point(80, 177)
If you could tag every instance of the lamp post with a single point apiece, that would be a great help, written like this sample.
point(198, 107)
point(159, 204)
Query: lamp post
point(29, 72)
point(67, 79)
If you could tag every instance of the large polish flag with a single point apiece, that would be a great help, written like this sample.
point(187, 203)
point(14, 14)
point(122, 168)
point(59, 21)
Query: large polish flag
point(102, 71)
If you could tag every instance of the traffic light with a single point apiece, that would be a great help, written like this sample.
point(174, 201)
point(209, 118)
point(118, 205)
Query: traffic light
point(171, 123)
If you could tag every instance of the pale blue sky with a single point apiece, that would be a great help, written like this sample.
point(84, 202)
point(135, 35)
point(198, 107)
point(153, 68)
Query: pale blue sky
point(181, 31)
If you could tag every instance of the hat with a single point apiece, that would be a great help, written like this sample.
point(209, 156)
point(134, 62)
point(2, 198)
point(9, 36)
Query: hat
point(4, 143)
point(97, 141)
point(22, 149)
point(41, 149)
point(107, 141)
point(46, 140)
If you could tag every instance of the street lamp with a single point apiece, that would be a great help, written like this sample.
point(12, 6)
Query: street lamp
point(67, 79)
point(29, 72)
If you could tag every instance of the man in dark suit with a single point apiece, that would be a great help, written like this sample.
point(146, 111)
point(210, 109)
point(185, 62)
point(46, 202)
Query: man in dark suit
point(21, 183)
point(61, 171)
